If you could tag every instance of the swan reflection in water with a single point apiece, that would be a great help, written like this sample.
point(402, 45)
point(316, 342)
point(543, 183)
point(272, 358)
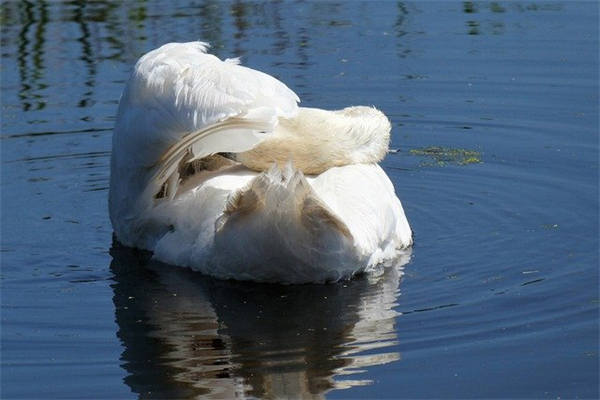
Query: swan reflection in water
point(186, 335)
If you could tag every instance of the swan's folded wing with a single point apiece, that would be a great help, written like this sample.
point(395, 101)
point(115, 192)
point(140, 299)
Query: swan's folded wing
point(232, 135)
point(181, 98)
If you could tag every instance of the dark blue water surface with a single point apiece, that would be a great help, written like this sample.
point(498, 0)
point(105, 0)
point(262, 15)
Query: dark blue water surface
point(494, 108)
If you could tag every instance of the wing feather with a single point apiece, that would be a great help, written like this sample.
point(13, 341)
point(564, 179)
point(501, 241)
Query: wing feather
point(199, 89)
point(180, 98)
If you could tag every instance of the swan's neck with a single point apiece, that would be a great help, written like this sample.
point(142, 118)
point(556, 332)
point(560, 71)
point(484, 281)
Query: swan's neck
point(316, 140)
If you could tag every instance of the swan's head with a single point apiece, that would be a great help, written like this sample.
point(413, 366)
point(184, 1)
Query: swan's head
point(316, 140)
point(370, 131)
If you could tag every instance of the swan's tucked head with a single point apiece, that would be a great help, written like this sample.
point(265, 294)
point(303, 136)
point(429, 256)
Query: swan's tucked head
point(316, 140)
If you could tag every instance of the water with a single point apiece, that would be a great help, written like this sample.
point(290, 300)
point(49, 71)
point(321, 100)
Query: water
point(495, 114)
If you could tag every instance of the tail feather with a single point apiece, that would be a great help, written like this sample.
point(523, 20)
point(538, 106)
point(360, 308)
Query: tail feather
point(282, 192)
point(277, 228)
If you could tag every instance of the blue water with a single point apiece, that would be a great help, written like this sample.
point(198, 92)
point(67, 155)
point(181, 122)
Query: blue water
point(494, 108)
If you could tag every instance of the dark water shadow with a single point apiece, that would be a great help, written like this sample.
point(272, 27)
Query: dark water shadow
point(186, 335)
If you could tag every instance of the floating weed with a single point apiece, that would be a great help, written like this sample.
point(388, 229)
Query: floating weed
point(446, 155)
point(550, 226)
point(492, 279)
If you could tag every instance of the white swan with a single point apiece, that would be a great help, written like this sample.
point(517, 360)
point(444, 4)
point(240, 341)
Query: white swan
point(304, 200)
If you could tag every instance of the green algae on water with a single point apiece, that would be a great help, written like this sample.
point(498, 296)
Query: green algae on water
point(447, 155)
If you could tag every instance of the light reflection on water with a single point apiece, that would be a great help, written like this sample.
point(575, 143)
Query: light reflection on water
point(229, 339)
point(500, 298)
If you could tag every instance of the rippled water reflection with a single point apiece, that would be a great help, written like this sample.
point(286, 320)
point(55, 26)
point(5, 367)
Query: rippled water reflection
point(226, 339)
point(499, 299)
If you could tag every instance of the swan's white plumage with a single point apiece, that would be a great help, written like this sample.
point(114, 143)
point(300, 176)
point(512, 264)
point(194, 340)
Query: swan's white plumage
point(182, 105)
point(178, 91)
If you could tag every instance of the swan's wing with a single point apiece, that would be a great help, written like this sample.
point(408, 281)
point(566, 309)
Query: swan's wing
point(364, 198)
point(180, 98)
